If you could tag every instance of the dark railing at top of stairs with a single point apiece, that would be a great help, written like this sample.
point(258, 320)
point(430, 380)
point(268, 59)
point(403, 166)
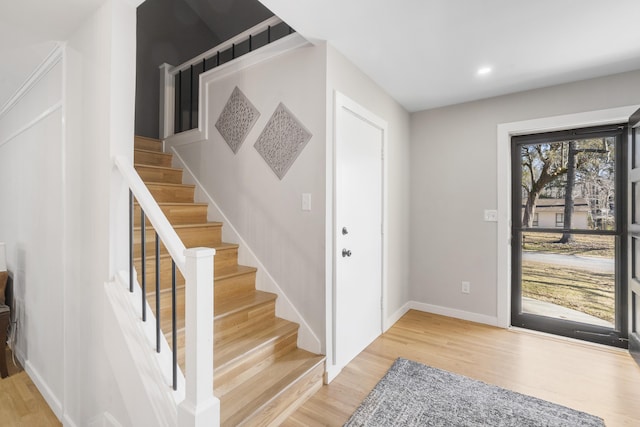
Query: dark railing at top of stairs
point(187, 80)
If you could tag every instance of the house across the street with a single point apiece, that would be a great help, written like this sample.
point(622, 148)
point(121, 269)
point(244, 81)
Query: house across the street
point(549, 213)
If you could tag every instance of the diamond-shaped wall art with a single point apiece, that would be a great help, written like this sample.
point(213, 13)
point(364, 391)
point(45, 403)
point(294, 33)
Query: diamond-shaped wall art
point(282, 140)
point(236, 119)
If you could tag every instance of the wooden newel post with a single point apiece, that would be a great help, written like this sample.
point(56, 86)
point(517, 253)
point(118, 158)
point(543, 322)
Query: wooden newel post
point(200, 407)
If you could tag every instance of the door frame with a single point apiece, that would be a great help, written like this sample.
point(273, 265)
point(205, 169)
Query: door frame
point(341, 101)
point(633, 285)
point(505, 132)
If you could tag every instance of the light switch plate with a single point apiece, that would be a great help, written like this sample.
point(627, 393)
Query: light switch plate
point(306, 201)
point(466, 287)
point(491, 215)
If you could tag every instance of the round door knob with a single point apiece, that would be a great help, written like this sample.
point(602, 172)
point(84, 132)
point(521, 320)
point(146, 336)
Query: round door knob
point(346, 252)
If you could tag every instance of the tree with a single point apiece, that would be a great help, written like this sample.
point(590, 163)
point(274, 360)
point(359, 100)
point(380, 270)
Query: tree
point(589, 155)
point(541, 165)
point(597, 176)
point(567, 237)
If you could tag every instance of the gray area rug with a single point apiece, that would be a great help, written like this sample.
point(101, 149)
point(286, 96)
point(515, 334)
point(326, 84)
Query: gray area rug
point(413, 394)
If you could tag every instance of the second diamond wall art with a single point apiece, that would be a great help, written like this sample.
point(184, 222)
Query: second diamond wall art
point(282, 140)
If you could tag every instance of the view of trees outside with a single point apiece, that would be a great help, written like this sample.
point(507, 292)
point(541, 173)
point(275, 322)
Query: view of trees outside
point(573, 271)
point(583, 168)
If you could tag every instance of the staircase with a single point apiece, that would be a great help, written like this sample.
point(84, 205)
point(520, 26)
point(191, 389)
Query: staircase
point(260, 374)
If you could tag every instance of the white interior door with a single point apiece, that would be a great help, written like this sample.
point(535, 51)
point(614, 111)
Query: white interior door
point(358, 238)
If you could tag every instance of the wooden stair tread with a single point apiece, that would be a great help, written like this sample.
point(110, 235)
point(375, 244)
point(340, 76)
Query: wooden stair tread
point(178, 204)
point(220, 273)
point(146, 166)
point(226, 351)
point(148, 138)
point(142, 150)
point(230, 351)
point(210, 224)
point(164, 191)
point(222, 309)
point(225, 306)
point(222, 306)
point(152, 157)
point(178, 212)
point(168, 184)
point(204, 235)
point(218, 246)
point(250, 397)
point(156, 170)
point(147, 143)
point(232, 271)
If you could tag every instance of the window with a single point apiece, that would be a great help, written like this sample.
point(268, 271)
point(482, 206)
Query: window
point(559, 219)
point(535, 220)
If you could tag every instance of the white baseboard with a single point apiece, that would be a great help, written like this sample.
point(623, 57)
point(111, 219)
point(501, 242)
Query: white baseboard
point(285, 309)
point(391, 320)
point(451, 312)
point(68, 422)
point(43, 388)
point(110, 420)
point(45, 391)
point(104, 420)
point(331, 372)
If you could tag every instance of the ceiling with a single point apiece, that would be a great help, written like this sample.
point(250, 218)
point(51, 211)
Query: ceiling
point(29, 29)
point(426, 53)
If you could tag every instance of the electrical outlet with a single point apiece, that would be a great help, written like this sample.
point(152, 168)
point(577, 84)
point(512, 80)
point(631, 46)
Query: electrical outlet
point(466, 287)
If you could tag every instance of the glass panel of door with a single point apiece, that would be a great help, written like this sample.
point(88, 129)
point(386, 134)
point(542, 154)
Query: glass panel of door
point(568, 219)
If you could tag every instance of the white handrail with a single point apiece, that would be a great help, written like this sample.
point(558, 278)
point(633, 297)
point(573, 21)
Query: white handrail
point(199, 407)
point(160, 223)
point(256, 29)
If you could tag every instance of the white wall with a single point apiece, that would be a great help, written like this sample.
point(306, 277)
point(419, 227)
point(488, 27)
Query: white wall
point(61, 218)
point(100, 109)
point(454, 178)
point(265, 210)
point(32, 224)
point(346, 78)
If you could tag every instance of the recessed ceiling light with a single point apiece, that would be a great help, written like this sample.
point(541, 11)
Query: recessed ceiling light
point(484, 71)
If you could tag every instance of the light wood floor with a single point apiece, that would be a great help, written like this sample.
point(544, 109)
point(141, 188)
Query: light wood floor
point(20, 402)
point(595, 379)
